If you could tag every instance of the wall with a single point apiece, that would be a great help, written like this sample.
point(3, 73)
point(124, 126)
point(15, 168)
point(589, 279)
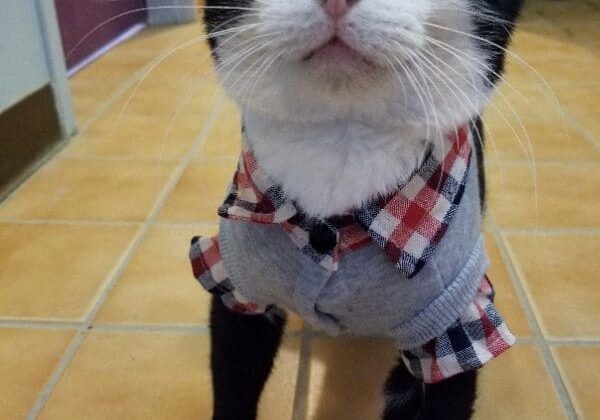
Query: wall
point(23, 64)
point(88, 25)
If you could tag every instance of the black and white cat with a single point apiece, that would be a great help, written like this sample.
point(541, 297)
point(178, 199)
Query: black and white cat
point(343, 98)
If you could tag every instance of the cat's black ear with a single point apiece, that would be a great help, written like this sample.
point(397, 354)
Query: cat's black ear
point(223, 14)
point(494, 22)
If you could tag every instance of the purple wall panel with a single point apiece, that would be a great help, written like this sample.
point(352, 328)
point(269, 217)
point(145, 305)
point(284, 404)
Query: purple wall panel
point(78, 17)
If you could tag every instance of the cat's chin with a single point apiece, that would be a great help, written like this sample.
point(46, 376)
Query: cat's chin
point(345, 77)
point(339, 64)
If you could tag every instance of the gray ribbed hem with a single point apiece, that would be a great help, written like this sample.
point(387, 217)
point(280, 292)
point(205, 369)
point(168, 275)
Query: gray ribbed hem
point(440, 314)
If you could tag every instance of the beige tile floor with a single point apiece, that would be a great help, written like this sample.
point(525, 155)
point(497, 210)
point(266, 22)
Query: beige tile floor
point(100, 318)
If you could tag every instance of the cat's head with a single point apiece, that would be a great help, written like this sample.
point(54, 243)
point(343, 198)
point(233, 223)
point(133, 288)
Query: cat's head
point(429, 62)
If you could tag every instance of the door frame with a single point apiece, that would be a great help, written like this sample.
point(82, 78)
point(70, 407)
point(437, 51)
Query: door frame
point(57, 67)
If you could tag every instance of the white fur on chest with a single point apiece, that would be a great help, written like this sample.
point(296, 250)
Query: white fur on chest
point(330, 168)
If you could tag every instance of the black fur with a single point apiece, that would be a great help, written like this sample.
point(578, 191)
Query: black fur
point(404, 395)
point(217, 19)
point(495, 32)
point(477, 130)
point(451, 399)
point(409, 399)
point(242, 351)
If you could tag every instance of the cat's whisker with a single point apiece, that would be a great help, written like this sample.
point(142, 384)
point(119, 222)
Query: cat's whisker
point(530, 157)
point(391, 66)
point(475, 65)
point(484, 66)
point(152, 67)
point(467, 61)
point(439, 135)
point(257, 72)
point(191, 92)
point(143, 9)
point(250, 70)
point(417, 60)
point(529, 153)
point(485, 14)
point(511, 54)
point(444, 79)
point(441, 76)
point(247, 97)
point(241, 58)
point(531, 160)
point(146, 74)
point(245, 42)
point(160, 60)
point(472, 66)
point(418, 90)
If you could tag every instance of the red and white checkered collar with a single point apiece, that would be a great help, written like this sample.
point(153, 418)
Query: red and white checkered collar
point(407, 224)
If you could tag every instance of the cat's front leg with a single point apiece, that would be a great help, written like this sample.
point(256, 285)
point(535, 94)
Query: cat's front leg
point(242, 351)
point(407, 398)
point(451, 399)
point(403, 395)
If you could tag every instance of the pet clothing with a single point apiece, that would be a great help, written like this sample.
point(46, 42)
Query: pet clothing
point(410, 265)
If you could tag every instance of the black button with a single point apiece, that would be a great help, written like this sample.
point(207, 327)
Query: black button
point(322, 238)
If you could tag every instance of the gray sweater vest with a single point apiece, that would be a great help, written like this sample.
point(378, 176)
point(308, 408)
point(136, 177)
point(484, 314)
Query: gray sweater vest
point(367, 294)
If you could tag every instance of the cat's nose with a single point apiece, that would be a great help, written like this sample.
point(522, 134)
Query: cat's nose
point(337, 8)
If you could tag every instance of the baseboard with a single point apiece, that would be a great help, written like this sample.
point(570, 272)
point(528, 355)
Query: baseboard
point(129, 33)
point(29, 133)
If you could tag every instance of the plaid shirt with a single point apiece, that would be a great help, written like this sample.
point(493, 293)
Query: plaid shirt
point(407, 225)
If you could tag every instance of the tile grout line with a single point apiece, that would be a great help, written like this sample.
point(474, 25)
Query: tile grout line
point(198, 328)
point(57, 324)
point(538, 337)
point(579, 342)
point(300, 406)
point(581, 128)
point(175, 224)
point(76, 343)
point(562, 372)
point(495, 161)
point(40, 324)
point(591, 231)
point(182, 329)
point(71, 222)
point(124, 159)
point(91, 222)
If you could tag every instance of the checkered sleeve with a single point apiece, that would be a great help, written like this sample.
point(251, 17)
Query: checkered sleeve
point(209, 270)
point(478, 336)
